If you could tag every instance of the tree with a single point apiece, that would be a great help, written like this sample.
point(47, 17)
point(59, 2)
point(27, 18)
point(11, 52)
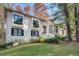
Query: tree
point(2, 30)
point(18, 8)
point(27, 9)
point(76, 12)
point(64, 12)
point(41, 11)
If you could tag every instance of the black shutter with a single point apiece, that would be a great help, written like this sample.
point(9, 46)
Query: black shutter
point(22, 32)
point(12, 31)
point(37, 33)
point(31, 32)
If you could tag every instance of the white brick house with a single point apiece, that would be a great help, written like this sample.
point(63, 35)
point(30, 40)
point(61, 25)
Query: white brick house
point(22, 27)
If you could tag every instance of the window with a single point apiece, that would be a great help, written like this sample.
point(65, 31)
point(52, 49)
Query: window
point(50, 29)
point(18, 19)
point(63, 32)
point(34, 33)
point(35, 23)
point(44, 29)
point(56, 29)
point(17, 32)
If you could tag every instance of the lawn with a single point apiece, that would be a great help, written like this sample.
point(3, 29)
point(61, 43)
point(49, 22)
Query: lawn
point(42, 49)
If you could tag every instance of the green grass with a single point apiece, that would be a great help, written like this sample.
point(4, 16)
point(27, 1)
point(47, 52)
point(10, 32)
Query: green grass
point(38, 49)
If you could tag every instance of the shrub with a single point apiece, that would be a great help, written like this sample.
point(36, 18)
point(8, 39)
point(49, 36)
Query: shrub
point(62, 38)
point(52, 40)
point(55, 39)
point(7, 45)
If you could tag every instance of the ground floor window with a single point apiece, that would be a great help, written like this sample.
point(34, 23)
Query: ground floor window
point(44, 29)
point(56, 29)
point(34, 33)
point(62, 32)
point(50, 29)
point(17, 32)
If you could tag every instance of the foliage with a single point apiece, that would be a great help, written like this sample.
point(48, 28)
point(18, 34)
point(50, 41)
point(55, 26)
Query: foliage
point(27, 9)
point(64, 8)
point(7, 45)
point(55, 39)
point(62, 38)
point(18, 8)
point(52, 40)
point(41, 11)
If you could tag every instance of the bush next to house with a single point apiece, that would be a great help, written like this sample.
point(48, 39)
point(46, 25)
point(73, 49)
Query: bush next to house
point(62, 38)
point(55, 39)
point(52, 40)
point(6, 45)
point(9, 45)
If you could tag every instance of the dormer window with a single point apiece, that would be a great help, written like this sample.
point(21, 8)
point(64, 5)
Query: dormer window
point(35, 23)
point(18, 19)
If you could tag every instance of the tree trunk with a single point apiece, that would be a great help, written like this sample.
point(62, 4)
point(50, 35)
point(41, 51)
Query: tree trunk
point(68, 30)
point(77, 23)
point(77, 30)
point(2, 24)
point(67, 22)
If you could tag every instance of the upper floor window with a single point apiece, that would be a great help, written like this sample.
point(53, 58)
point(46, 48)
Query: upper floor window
point(17, 32)
point(18, 19)
point(35, 23)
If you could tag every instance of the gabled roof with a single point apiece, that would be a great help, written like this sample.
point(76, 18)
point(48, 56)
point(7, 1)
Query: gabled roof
point(11, 10)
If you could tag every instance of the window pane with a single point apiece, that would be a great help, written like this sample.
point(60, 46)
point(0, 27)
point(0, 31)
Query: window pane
point(50, 29)
point(15, 19)
point(17, 32)
point(44, 29)
point(34, 33)
point(37, 33)
point(35, 23)
point(56, 29)
point(18, 19)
